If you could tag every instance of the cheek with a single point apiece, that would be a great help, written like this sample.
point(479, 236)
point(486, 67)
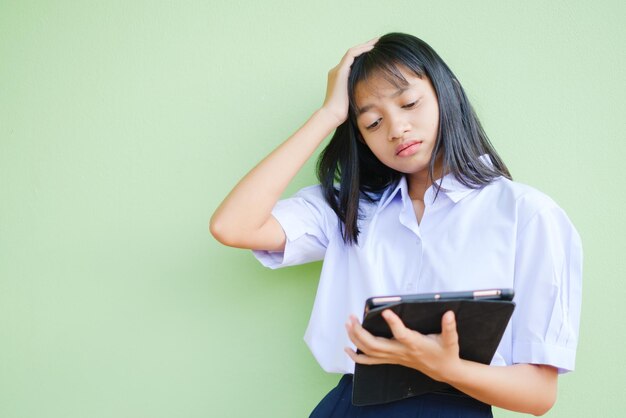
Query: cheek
point(434, 119)
point(371, 144)
point(377, 149)
point(434, 126)
point(428, 119)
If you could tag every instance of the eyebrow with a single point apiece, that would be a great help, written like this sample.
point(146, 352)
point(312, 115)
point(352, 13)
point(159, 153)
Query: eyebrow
point(398, 92)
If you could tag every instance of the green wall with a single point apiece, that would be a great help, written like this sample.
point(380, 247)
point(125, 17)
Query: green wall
point(124, 123)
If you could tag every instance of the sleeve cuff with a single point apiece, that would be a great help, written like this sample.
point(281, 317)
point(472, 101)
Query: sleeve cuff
point(563, 358)
point(300, 247)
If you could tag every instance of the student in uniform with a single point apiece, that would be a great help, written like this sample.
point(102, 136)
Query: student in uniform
point(413, 198)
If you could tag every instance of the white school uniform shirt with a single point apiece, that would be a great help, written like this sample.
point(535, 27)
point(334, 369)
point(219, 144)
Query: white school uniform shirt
point(503, 235)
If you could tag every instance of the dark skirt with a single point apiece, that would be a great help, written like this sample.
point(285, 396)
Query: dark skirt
point(338, 404)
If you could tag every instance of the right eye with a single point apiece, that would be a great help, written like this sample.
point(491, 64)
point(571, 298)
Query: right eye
point(373, 125)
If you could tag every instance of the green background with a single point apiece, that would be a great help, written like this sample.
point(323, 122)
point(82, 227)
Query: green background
point(124, 123)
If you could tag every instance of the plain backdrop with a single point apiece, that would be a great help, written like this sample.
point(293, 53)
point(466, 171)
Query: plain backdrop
point(123, 124)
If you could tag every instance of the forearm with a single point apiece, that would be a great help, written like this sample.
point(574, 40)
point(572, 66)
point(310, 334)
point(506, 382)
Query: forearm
point(523, 387)
point(248, 206)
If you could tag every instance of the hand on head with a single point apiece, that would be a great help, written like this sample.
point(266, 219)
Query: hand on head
point(337, 101)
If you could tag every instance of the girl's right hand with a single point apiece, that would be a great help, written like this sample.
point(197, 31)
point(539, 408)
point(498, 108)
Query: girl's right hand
point(337, 102)
point(244, 219)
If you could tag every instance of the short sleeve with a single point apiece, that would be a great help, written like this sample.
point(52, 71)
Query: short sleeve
point(307, 221)
point(548, 287)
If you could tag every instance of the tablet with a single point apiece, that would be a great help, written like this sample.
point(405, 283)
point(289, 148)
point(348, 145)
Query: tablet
point(489, 294)
point(481, 316)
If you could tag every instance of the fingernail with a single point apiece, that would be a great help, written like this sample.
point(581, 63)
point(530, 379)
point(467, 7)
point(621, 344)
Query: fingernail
point(450, 317)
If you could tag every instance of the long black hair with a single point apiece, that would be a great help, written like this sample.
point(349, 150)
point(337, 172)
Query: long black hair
point(348, 170)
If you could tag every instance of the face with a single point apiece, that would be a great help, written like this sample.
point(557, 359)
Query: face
point(399, 123)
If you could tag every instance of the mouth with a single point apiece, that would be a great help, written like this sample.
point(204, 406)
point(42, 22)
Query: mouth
point(408, 148)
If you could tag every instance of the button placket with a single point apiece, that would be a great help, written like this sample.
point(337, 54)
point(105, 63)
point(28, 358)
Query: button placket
point(411, 281)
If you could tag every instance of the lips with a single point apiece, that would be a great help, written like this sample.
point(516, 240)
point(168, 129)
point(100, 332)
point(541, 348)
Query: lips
point(408, 148)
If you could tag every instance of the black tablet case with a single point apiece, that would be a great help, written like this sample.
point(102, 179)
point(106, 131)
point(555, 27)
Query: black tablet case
point(480, 325)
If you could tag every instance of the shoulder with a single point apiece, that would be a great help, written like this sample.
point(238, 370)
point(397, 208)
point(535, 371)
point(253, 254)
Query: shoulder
point(315, 196)
point(531, 207)
point(520, 193)
point(309, 202)
point(524, 197)
point(313, 193)
point(310, 197)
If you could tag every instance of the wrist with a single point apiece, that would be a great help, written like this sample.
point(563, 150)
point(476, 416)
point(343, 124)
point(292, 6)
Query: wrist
point(454, 371)
point(333, 118)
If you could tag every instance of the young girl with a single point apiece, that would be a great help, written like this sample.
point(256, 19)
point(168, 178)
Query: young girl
point(413, 198)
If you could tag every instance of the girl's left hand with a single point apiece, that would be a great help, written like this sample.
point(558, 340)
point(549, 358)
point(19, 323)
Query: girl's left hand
point(436, 355)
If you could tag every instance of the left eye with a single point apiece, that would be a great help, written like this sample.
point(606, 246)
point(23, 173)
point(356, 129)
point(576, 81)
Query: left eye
point(410, 105)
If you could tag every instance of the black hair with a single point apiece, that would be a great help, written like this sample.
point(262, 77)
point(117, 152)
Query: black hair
point(348, 170)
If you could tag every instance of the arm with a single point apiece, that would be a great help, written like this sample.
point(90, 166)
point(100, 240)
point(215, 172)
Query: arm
point(528, 388)
point(525, 388)
point(244, 218)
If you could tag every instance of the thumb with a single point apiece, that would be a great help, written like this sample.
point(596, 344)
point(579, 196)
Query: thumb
point(449, 336)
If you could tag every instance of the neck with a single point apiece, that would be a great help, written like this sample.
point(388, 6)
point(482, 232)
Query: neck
point(419, 182)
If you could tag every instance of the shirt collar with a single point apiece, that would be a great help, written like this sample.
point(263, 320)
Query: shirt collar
point(449, 185)
point(389, 194)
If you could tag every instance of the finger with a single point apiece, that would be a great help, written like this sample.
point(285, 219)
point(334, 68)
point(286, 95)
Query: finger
point(359, 335)
point(357, 50)
point(343, 68)
point(449, 335)
point(368, 44)
point(363, 358)
point(398, 329)
point(349, 58)
point(365, 341)
point(371, 42)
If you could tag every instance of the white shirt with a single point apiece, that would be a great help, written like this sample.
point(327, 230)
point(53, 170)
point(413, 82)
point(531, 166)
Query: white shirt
point(504, 235)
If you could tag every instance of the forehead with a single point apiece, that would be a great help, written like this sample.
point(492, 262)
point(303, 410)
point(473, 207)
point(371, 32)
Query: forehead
point(382, 84)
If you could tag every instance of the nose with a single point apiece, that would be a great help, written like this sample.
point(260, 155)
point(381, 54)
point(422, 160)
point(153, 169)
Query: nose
point(398, 126)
